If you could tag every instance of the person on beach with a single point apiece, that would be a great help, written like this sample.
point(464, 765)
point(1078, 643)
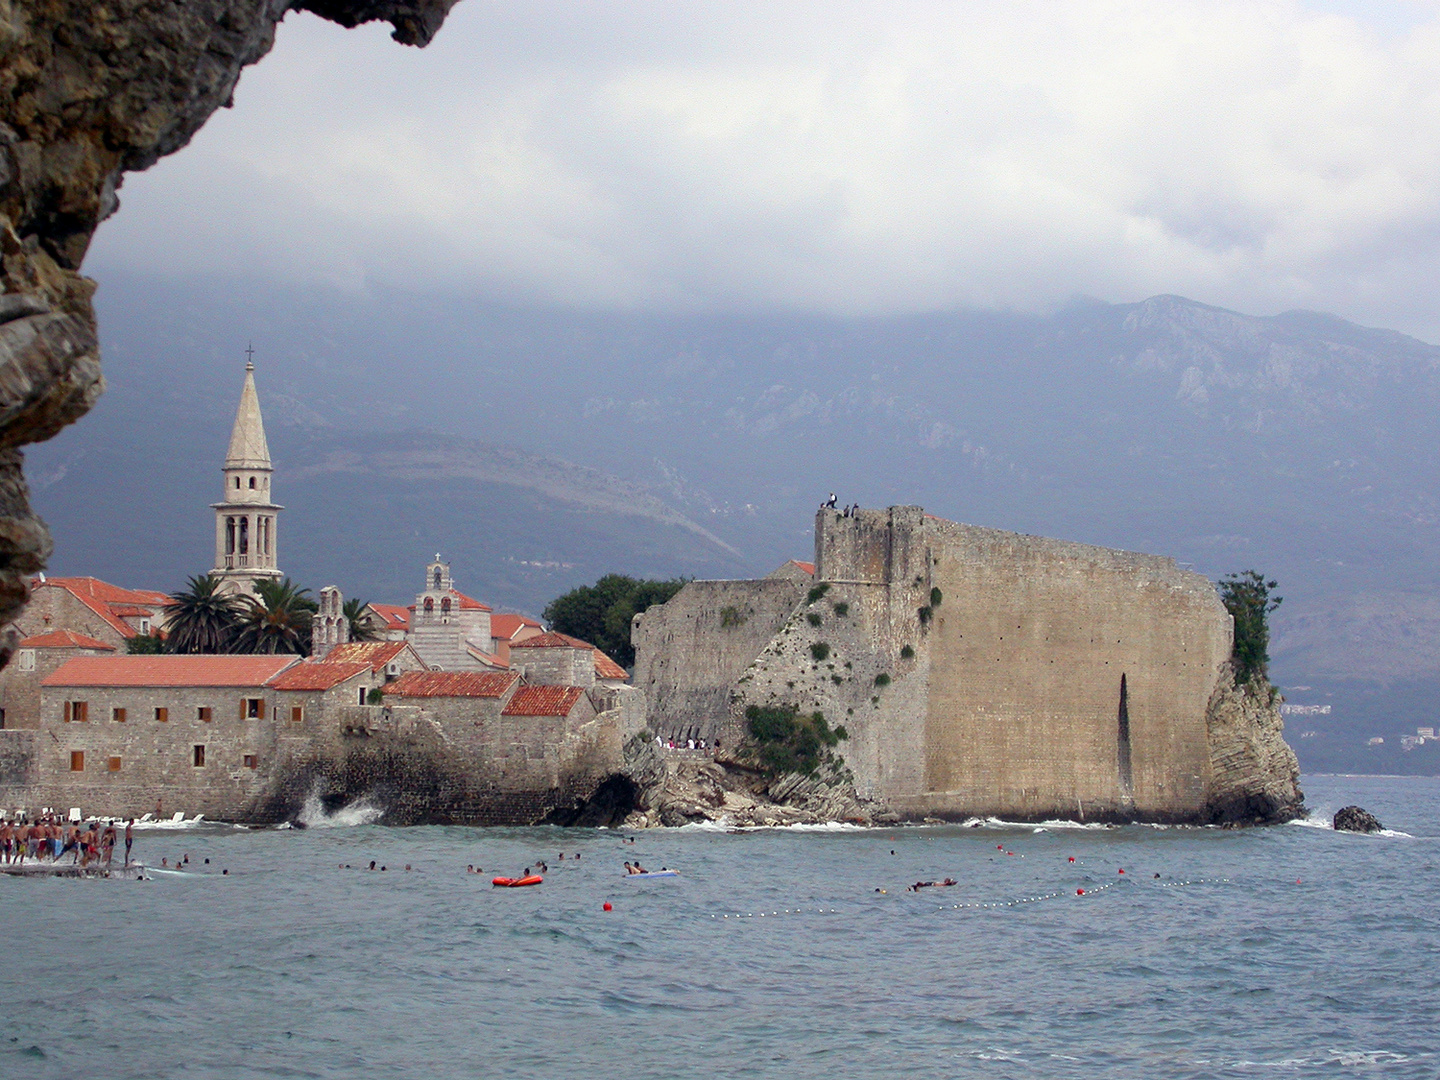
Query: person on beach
point(129, 838)
point(7, 837)
point(107, 844)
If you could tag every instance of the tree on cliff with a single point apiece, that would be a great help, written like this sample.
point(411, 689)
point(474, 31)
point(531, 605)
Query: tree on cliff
point(601, 613)
point(1249, 599)
point(200, 618)
point(275, 620)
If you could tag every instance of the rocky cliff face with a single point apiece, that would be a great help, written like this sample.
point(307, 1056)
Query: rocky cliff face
point(89, 92)
point(1255, 778)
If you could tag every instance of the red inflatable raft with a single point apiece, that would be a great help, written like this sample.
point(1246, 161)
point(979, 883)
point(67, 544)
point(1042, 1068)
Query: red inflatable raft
point(516, 882)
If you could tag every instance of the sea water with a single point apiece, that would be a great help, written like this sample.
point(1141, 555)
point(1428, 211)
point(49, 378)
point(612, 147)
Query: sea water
point(1291, 951)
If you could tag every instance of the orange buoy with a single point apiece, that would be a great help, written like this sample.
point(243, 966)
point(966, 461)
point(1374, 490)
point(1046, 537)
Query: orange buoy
point(1072, 858)
point(607, 906)
point(1079, 892)
point(1122, 869)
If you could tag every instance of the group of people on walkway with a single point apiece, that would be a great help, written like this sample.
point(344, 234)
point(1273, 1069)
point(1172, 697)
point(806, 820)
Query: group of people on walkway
point(685, 744)
point(50, 839)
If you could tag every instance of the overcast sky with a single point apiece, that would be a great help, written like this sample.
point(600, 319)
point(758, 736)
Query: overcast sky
point(841, 158)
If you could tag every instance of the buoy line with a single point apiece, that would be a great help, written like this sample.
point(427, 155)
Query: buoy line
point(994, 904)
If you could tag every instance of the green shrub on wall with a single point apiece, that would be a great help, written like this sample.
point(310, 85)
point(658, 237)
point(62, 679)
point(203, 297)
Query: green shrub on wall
point(842, 608)
point(813, 618)
point(907, 653)
point(882, 679)
point(817, 592)
point(936, 596)
point(785, 740)
point(730, 617)
point(820, 651)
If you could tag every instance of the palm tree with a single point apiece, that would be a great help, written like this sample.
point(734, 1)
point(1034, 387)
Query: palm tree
point(360, 630)
point(201, 619)
point(275, 620)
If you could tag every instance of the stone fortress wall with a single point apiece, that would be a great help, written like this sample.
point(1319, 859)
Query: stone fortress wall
point(982, 672)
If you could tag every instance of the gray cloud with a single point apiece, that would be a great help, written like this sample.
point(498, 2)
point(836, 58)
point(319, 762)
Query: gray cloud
point(847, 158)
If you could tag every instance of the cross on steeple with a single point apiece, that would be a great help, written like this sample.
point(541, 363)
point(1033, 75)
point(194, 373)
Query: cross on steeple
point(250, 356)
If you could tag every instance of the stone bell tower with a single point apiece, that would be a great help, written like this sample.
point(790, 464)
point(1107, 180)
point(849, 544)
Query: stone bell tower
point(245, 537)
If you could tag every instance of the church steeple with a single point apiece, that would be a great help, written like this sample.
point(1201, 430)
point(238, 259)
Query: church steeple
point(248, 449)
point(245, 519)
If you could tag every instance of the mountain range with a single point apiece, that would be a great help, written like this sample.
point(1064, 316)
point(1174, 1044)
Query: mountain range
point(538, 449)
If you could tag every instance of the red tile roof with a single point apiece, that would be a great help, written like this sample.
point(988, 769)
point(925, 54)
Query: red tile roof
point(606, 668)
point(484, 684)
point(396, 616)
point(543, 701)
point(552, 640)
point(168, 670)
point(808, 567)
point(64, 639)
point(101, 597)
point(488, 659)
point(506, 626)
point(375, 653)
point(314, 675)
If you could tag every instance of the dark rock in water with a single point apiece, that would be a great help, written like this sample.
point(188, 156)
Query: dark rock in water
point(1354, 819)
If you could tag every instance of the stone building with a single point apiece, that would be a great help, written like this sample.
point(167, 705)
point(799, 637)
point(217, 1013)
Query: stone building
point(386, 621)
point(217, 735)
point(34, 659)
point(508, 630)
point(246, 519)
point(980, 672)
point(93, 608)
point(449, 630)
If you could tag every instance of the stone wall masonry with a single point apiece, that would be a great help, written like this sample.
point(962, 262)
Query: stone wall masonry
point(1028, 650)
point(554, 666)
point(691, 651)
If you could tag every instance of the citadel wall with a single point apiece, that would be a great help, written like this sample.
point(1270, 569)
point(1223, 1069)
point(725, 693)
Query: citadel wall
point(978, 672)
point(690, 652)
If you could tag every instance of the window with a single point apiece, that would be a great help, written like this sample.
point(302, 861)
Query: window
point(198, 757)
point(112, 764)
point(204, 714)
point(77, 712)
point(445, 606)
point(362, 695)
point(429, 605)
point(437, 577)
point(251, 761)
point(252, 483)
point(145, 626)
point(297, 714)
point(77, 760)
point(237, 481)
point(118, 715)
point(252, 708)
point(25, 658)
point(162, 714)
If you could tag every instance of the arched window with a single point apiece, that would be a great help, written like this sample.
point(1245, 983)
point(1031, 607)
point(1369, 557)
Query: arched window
point(429, 605)
point(445, 606)
point(437, 578)
point(244, 536)
point(229, 536)
point(252, 483)
point(237, 481)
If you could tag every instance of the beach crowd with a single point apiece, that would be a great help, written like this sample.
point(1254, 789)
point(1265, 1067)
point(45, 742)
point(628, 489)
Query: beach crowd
point(50, 839)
